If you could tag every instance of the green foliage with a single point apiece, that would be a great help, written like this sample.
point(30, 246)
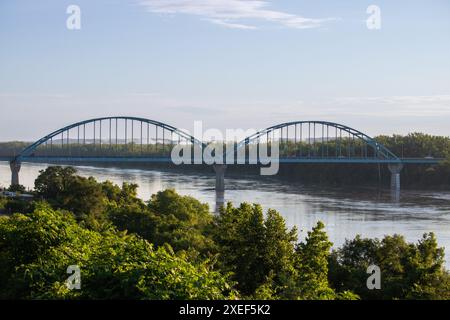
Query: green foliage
point(169, 218)
point(65, 190)
point(36, 249)
point(419, 145)
point(111, 234)
point(3, 202)
point(84, 197)
point(180, 221)
point(312, 265)
point(17, 188)
point(53, 182)
point(17, 205)
point(134, 219)
point(118, 197)
point(88, 199)
point(257, 251)
point(408, 271)
point(13, 148)
point(416, 145)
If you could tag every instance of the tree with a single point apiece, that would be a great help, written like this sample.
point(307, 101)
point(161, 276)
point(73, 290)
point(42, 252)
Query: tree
point(86, 198)
point(348, 265)
point(135, 219)
point(17, 188)
point(180, 221)
point(426, 276)
point(65, 190)
point(259, 252)
point(408, 271)
point(37, 248)
point(312, 265)
point(53, 182)
point(117, 197)
point(17, 205)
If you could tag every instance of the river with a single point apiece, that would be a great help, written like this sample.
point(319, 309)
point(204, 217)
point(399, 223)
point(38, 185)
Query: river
point(345, 212)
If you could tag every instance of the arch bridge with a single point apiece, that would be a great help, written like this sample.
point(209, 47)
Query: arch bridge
point(125, 139)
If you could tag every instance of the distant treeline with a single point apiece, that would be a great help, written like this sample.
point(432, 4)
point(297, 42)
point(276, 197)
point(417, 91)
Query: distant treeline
point(413, 145)
point(417, 145)
point(8, 149)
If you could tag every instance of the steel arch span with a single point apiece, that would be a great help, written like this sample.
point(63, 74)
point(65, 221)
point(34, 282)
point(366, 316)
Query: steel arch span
point(106, 136)
point(114, 139)
point(321, 142)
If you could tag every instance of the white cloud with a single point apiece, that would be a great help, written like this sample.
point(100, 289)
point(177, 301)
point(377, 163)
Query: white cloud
point(231, 25)
point(230, 13)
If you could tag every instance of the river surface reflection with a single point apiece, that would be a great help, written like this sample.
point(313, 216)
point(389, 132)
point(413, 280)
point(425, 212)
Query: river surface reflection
point(345, 212)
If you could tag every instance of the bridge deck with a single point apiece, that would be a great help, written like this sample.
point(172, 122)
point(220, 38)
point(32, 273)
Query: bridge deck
point(420, 161)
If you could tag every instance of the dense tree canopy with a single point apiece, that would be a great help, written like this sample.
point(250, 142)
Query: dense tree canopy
point(408, 271)
point(169, 218)
point(37, 248)
point(173, 247)
point(255, 249)
point(88, 199)
point(312, 265)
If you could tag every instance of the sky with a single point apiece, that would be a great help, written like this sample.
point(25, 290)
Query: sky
point(229, 63)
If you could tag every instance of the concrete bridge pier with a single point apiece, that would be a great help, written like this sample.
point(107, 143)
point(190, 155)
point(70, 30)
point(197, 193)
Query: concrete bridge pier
point(395, 169)
point(220, 177)
point(15, 169)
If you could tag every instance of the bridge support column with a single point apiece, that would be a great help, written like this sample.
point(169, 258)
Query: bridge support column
point(15, 169)
point(220, 177)
point(395, 169)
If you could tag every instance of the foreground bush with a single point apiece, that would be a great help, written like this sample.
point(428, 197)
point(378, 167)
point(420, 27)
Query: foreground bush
point(37, 248)
point(408, 270)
